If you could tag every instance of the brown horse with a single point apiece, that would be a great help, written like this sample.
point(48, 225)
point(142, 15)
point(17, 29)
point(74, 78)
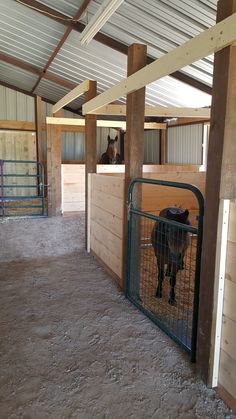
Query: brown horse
point(170, 243)
point(111, 156)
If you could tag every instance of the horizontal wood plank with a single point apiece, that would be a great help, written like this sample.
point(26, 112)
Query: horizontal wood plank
point(227, 373)
point(112, 242)
point(17, 125)
point(109, 221)
point(156, 111)
point(109, 185)
point(109, 258)
point(112, 204)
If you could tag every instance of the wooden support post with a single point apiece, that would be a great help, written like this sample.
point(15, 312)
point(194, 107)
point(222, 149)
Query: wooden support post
point(38, 125)
point(163, 146)
point(134, 142)
point(54, 169)
point(220, 183)
point(90, 148)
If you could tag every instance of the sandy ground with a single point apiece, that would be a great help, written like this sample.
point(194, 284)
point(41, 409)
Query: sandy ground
point(41, 237)
point(73, 347)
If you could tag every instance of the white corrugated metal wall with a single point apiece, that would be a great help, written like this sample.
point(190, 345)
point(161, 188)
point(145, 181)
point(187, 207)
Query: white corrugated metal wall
point(184, 144)
point(72, 143)
point(152, 146)
point(16, 106)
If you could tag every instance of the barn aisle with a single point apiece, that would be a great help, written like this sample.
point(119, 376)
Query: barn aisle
point(73, 347)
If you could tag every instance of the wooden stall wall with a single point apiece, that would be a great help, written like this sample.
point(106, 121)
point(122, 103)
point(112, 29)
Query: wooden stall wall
point(227, 368)
point(107, 206)
point(106, 223)
point(73, 187)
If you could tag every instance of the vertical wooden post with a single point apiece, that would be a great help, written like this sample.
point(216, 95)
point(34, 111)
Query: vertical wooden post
point(163, 146)
point(54, 168)
point(220, 183)
point(90, 148)
point(134, 141)
point(38, 123)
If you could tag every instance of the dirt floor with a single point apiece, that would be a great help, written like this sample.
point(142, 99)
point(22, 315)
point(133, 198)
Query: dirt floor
point(73, 347)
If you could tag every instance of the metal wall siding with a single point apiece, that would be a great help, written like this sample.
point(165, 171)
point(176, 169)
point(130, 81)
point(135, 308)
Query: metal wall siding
point(184, 144)
point(15, 105)
point(152, 146)
point(72, 146)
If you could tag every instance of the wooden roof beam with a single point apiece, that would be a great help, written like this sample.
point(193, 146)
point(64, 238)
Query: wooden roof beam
point(100, 123)
point(74, 94)
point(160, 111)
point(208, 42)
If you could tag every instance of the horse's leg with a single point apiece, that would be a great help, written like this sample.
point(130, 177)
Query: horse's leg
point(174, 271)
point(160, 267)
point(168, 270)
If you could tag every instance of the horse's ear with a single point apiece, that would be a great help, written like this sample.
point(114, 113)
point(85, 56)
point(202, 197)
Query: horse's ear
point(116, 139)
point(185, 215)
point(108, 138)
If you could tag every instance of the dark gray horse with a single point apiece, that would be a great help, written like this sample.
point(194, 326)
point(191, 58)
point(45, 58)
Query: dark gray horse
point(170, 243)
point(111, 156)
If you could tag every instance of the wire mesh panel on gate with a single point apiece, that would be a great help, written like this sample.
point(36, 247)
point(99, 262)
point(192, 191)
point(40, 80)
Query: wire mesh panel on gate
point(176, 316)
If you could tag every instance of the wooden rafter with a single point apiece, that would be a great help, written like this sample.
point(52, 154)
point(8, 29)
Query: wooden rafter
point(208, 42)
point(110, 42)
point(156, 111)
point(74, 94)
point(78, 14)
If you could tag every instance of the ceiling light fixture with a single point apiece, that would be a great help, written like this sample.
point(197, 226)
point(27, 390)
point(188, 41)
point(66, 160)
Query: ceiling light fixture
point(106, 10)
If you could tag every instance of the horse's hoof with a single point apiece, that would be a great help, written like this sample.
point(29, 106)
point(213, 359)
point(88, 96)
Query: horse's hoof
point(159, 294)
point(172, 301)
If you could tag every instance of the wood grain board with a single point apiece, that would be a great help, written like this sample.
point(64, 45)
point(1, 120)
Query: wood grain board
point(227, 367)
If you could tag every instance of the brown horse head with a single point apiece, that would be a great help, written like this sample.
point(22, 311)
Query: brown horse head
point(112, 149)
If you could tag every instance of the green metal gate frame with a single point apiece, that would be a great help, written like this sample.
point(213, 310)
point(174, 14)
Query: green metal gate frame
point(198, 231)
point(4, 198)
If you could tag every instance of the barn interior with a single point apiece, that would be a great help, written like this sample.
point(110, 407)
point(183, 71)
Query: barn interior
point(85, 332)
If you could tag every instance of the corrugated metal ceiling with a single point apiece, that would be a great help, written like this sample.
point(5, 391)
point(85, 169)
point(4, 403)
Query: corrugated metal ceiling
point(16, 76)
point(161, 24)
point(26, 34)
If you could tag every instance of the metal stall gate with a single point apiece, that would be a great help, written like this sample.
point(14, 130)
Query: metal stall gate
point(21, 188)
point(163, 261)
